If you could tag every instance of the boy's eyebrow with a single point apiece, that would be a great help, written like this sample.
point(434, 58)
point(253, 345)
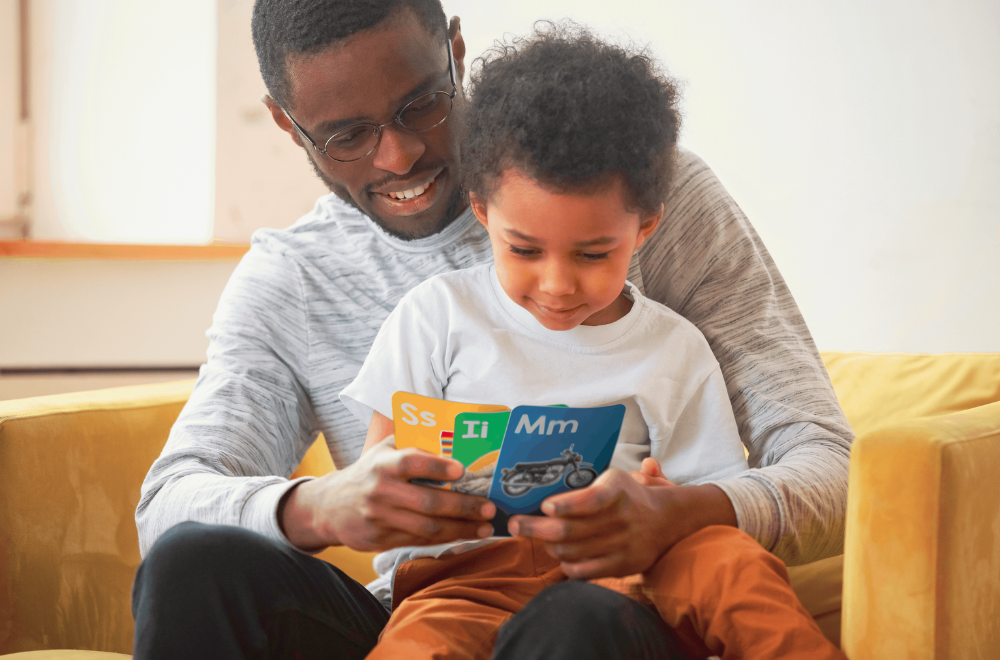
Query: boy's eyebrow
point(603, 240)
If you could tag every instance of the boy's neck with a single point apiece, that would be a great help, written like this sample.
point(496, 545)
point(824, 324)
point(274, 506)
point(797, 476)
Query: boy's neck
point(616, 311)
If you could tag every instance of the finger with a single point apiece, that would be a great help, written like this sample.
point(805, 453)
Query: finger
point(417, 464)
point(435, 502)
point(651, 467)
point(594, 568)
point(643, 478)
point(656, 482)
point(603, 495)
point(428, 530)
point(603, 545)
point(561, 530)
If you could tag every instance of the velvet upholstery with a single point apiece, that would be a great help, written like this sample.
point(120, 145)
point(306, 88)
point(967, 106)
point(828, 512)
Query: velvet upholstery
point(921, 572)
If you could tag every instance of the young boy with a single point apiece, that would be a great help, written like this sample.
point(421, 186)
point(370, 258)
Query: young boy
point(569, 151)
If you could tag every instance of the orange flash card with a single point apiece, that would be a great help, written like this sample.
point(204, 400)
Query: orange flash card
point(419, 420)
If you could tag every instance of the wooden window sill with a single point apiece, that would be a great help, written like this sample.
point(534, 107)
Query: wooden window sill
point(121, 252)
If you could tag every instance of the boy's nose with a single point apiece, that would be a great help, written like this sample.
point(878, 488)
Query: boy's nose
point(556, 280)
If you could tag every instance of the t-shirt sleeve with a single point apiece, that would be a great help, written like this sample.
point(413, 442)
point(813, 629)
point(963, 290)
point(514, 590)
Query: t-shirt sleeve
point(408, 355)
point(704, 444)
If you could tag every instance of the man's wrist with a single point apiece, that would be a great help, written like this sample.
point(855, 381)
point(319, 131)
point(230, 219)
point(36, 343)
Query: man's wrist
point(295, 518)
point(695, 507)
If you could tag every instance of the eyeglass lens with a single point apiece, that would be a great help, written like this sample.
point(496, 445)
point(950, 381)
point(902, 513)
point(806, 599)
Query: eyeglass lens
point(421, 114)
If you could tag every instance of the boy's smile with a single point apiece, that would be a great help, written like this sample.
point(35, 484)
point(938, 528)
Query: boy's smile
point(563, 256)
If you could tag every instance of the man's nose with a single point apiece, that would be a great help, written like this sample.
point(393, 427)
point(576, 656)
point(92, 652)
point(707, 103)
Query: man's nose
point(398, 150)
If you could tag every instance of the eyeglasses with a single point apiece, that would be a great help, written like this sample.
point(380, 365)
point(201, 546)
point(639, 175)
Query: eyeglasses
point(421, 114)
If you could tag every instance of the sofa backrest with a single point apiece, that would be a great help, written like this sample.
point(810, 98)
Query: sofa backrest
point(878, 389)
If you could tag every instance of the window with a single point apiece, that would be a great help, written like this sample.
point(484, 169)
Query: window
point(122, 119)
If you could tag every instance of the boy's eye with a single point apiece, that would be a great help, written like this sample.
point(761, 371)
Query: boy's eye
point(593, 256)
point(522, 252)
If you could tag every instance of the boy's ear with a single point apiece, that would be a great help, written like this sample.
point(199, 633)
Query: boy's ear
point(478, 205)
point(647, 225)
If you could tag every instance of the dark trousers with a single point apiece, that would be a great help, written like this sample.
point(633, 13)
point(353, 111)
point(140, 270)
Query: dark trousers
point(208, 591)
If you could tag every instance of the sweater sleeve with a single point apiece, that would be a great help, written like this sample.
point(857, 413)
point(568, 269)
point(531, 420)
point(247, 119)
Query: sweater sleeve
point(249, 417)
point(707, 263)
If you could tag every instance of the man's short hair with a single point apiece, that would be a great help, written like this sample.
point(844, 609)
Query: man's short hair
point(306, 27)
point(573, 112)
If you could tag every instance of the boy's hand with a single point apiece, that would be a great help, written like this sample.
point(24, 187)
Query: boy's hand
point(370, 505)
point(619, 526)
point(650, 474)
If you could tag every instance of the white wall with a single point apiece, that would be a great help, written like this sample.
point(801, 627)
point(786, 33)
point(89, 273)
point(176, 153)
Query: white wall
point(88, 313)
point(862, 140)
point(123, 98)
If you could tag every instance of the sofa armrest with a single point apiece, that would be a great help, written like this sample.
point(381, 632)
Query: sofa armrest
point(922, 551)
point(71, 466)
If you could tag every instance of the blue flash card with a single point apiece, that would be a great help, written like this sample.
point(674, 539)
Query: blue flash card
point(550, 450)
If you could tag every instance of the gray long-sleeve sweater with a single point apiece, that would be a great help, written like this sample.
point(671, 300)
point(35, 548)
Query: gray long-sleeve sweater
point(304, 305)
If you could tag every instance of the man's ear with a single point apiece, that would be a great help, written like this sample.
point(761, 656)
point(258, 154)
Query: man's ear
point(281, 119)
point(478, 205)
point(647, 225)
point(457, 45)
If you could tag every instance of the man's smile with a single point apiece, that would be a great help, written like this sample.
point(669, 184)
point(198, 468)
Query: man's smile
point(412, 191)
point(410, 197)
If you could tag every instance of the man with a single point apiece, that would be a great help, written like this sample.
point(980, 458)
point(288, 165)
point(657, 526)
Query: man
point(371, 90)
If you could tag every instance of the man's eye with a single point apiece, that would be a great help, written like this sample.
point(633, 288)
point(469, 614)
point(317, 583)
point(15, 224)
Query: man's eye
point(422, 105)
point(349, 137)
point(522, 252)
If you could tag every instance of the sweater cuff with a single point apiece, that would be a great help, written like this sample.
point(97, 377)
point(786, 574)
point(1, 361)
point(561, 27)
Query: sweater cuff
point(260, 513)
point(758, 511)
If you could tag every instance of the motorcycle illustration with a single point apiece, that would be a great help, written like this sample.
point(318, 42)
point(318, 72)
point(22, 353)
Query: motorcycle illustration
point(521, 478)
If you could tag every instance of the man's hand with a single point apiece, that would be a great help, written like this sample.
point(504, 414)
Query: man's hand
point(371, 505)
point(622, 524)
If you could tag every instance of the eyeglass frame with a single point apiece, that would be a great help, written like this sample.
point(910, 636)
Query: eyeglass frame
point(395, 119)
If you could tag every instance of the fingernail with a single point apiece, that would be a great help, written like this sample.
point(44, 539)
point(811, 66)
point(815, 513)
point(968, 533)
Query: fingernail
point(485, 530)
point(548, 508)
point(512, 527)
point(488, 510)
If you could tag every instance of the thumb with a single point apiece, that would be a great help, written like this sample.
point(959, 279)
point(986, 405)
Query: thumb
point(651, 467)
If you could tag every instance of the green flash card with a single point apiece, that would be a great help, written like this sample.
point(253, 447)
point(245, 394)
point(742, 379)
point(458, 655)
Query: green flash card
point(477, 440)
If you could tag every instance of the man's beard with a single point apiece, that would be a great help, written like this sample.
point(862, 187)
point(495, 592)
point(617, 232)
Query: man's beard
point(455, 204)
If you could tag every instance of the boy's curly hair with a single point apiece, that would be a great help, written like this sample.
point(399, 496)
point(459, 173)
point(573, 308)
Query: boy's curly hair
point(573, 112)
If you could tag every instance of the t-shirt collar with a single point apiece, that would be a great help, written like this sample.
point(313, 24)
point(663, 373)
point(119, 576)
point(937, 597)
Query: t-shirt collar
point(582, 336)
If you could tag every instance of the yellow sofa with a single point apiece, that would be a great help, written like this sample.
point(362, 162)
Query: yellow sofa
point(921, 569)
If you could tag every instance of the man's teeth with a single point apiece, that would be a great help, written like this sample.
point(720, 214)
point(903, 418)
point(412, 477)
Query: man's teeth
point(411, 193)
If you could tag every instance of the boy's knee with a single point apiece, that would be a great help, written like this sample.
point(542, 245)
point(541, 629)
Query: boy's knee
point(722, 551)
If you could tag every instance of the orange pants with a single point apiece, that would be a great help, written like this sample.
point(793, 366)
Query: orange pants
point(720, 591)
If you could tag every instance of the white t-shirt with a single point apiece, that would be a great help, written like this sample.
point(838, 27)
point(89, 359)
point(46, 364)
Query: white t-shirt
point(459, 337)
